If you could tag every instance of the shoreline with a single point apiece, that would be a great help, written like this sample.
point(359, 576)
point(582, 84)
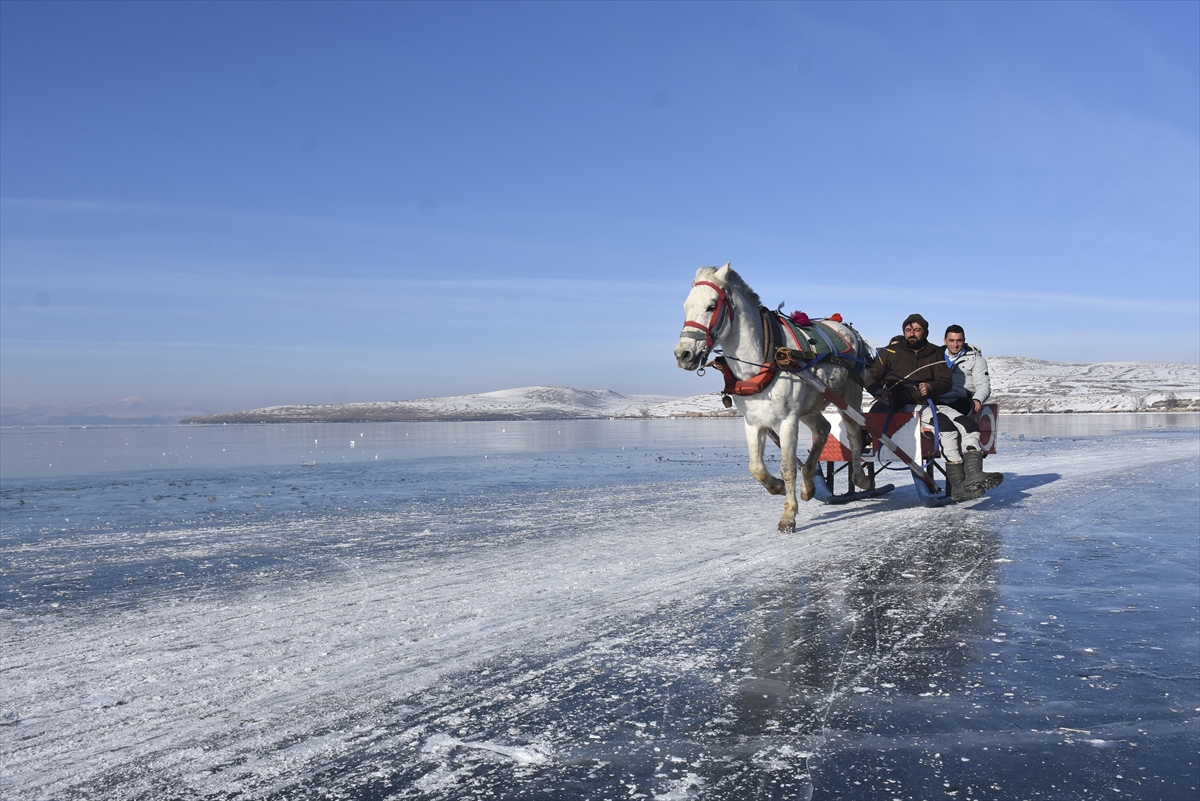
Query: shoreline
point(685, 416)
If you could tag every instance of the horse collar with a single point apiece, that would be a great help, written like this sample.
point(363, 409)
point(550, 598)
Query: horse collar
point(766, 371)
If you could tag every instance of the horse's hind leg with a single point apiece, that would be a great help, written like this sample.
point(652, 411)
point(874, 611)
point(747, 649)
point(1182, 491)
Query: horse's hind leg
point(819, 426)
point(855, 437)
point(755, 442)
point(857, 474)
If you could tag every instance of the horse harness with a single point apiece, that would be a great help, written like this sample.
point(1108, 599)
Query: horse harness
point(776, 358)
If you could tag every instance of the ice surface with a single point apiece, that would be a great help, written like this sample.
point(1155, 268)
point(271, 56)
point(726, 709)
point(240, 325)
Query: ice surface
point(607, 615)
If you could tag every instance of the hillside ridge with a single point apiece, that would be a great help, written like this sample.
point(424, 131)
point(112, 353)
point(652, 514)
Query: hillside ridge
point(1020, 385)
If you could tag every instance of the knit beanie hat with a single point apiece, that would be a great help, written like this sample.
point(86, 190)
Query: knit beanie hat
point(915, 318)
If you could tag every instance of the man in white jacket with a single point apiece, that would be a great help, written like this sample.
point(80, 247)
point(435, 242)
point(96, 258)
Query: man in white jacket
point(972, 387)
point(960, 440)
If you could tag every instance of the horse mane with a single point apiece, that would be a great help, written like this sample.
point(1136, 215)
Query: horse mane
point(732, 281)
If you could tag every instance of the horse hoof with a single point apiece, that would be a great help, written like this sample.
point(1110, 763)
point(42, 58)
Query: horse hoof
point(787, 527)
point(777, 489)
point(807, 492)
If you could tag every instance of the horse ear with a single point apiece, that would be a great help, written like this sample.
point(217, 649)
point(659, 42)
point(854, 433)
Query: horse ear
point(723, 273)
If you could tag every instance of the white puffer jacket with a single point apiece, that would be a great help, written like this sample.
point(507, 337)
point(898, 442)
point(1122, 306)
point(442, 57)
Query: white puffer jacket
point(970, 374)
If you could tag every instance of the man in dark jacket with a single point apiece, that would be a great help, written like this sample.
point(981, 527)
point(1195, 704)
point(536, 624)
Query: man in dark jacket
point(905, 375)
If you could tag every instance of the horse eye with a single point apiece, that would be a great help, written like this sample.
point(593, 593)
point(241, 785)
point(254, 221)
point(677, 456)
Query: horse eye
point(712, 307)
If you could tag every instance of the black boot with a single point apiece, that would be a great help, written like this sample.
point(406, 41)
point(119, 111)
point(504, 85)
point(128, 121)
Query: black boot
point(956, 478)
point(975, 477)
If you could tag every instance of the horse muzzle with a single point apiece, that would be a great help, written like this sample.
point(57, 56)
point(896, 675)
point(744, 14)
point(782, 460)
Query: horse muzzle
point(689, 353)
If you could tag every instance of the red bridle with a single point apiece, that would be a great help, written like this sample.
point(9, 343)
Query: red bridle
point(715, 320)
point(733, 385)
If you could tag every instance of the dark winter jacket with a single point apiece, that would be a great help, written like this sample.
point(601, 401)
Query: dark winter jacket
point(898, 369)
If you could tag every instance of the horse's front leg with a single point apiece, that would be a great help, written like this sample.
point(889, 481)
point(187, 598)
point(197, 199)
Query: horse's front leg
point(787, 466)
point(755, 443)
point(820, 432)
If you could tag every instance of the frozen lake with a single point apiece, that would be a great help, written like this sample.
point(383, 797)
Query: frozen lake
point(590, 609)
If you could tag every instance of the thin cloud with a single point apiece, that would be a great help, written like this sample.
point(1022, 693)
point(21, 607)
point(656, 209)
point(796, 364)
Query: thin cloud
point(102, 206)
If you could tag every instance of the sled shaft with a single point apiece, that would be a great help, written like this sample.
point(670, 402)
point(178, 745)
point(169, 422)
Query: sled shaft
point(879, 435)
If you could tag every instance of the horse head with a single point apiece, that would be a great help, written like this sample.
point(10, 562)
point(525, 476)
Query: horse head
point(707, 313)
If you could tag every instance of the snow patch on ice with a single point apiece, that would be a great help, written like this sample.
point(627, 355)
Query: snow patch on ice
point(782, 758)
point(682, 789)
point(441, 779)
point(522, 755)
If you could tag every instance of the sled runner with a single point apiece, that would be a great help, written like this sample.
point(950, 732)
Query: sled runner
point(905, 429)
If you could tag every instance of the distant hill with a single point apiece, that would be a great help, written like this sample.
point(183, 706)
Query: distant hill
point(1020, 385)
point(130, 411)
point(528, 403)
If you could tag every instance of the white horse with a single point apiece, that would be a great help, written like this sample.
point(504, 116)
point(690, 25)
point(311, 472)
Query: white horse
point(723, 310)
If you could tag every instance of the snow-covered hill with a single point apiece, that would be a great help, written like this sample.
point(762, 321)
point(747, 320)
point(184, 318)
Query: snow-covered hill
point(527, 403)
point(1019, 385)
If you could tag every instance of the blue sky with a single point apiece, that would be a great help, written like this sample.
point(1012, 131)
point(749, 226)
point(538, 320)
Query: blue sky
point(222, 205)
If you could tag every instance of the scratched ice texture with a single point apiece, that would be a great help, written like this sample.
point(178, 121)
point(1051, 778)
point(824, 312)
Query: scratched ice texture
point(590, 609)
